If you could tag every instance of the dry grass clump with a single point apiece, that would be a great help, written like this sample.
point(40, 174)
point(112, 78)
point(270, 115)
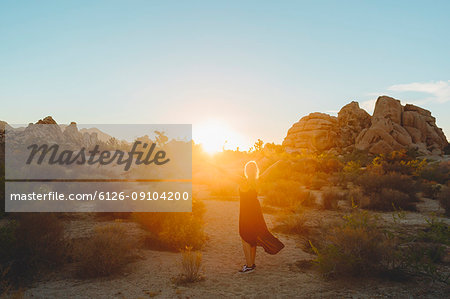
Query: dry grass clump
point(191, 263)
point(293, 224)
point(105, 253)
point(285, 193)
point(174, 231)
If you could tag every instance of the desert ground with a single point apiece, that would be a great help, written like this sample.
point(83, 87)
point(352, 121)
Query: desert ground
point(279, 276)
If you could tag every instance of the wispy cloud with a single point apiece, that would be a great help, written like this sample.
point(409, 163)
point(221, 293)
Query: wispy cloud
point(438, 91)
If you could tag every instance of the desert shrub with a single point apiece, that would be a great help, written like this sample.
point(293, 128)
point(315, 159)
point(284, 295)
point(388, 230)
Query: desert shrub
point(319, 180)
point(330, 198)
point(389, 191)
point(360, 157)
point(191, 263)
point(430, 189)
point(444, 199)
point(352, 249)
point(436, 172)
point(32, 243)
point(285, 193)
point(106, 252)
point(328, 164)
point(174, 231)
point(400, 162)
point(293, 224)
point(350, 172)
point(436, 231)
point(359, 247)
point(40, 240)
point(389, 200)
point(420, 253)
point(356, 196)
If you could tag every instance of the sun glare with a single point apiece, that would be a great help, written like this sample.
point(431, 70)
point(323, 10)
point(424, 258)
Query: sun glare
point(214, 136)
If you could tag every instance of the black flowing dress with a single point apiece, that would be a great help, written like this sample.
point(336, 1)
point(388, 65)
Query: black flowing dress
point(252, 227)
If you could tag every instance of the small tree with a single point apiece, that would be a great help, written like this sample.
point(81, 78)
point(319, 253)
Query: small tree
point(161, 138)
point(259, 145)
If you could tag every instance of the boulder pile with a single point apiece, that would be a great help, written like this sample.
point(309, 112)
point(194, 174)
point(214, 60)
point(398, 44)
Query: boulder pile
point(391, 127)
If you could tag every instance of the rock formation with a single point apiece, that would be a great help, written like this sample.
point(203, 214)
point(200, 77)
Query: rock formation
point(316, 131)
point(50, 133)
point(351, 121)
point(392, 127)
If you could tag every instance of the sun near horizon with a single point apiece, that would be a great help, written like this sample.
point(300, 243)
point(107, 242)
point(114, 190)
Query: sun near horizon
point(215, 136)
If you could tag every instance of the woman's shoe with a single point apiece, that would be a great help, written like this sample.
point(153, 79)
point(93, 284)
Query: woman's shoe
point(247, 269)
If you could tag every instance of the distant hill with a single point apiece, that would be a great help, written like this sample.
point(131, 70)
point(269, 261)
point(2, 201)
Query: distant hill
point(102, 136)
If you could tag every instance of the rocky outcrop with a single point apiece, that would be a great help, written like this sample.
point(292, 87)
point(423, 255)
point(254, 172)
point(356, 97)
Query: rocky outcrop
point(422, 128)
point(315, 132)
point(391, 127)
point(48, 131)
point(351, 121)
point(386, 133)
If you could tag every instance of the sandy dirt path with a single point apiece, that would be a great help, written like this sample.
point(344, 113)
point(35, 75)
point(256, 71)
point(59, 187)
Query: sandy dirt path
point(276, 276)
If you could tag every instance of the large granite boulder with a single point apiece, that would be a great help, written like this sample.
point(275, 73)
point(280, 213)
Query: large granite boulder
point(422, 127)
point(386, 133)
point(313, 133)
point(351, 121)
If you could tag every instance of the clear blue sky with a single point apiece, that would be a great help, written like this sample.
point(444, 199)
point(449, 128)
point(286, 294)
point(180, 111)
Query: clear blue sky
point(257, 66)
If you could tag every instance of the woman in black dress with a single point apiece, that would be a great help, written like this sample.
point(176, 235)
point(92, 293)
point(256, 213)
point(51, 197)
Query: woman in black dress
point(252, 227)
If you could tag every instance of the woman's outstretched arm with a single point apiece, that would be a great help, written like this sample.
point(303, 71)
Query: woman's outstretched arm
point(269, 169)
